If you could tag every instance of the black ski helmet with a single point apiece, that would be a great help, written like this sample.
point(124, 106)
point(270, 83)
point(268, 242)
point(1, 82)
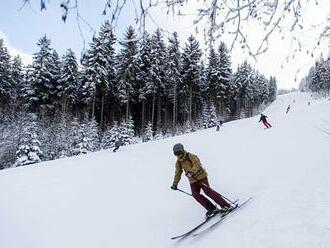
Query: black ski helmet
point(178, 148)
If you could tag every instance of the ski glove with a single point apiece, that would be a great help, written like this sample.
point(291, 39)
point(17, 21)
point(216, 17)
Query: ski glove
point(174, 187)
point(189, 174)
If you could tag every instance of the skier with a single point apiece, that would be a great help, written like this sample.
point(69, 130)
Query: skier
point(118, 143)
point(219, 125)
point(197, 176)
point(287, 109)
point(263, 118)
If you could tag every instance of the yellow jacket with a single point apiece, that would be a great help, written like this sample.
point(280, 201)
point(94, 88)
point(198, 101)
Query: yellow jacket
point(189, 163)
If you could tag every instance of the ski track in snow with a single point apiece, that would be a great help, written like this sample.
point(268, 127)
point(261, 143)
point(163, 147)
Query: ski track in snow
point(124, 199)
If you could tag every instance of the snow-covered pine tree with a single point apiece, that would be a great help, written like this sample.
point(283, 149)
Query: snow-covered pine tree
point(56, 137)
point(205, 115)
point(148, 133)
point(159, 135)
point(225, 76)
point(144, 74)
point(127, 133)
point(250, 93)
point(316, 78)
point(174, 75)
point(213, 76)
point(68, 82)
point(191, 73)
point(55, 70)
point(5, 79)
point(240, 80)
point(324, 71)
point(204, 85)
point(42, 78)
point(82, 147)
point(29, 151)
point(110, 136)
point(87, 138)
point(95, 76)
point(158, 76)
point(264, 89)
point(17, 89)
point(127, 68)
point(272, 89)
point(187, 127)
point(213, 121)
point(107, 92)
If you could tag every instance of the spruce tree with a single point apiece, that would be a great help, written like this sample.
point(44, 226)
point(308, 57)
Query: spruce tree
point(144, 79)
point(191, 73)
point(158, 76)
point(127, 133)
point(127, 68)
point(225, 75)
point(174, 75)
point(148, 133)
point(95, 77)
point(107, 92)
point(111, 136)
point(29, 151)
point(213, 76)
point(5, 79)
point(18, 84)
point(87, 138)
point(68, 82)
point(43, 77)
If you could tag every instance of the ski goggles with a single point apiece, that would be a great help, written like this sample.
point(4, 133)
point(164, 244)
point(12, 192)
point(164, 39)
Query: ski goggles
point(178, 153)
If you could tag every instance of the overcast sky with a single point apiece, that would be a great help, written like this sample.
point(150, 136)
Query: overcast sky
point(21, 28)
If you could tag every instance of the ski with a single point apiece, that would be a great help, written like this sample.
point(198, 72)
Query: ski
point(184, 235)
point(224, 217)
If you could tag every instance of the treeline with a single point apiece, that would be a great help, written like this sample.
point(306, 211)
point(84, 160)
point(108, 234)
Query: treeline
point(148, 88)
point(318, 78)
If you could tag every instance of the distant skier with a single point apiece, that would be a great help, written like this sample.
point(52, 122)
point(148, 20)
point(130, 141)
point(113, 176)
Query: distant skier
point(118, 143)
point(197, 176)
point(219, 125)
point(287, 109)
point(263, 118)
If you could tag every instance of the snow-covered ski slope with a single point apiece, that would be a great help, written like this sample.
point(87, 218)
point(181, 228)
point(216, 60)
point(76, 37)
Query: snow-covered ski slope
point(123, 199)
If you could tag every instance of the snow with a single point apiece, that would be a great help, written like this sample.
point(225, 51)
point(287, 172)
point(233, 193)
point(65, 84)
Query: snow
point(123, 199)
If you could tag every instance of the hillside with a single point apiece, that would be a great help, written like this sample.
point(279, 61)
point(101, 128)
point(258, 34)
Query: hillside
point(124, 199)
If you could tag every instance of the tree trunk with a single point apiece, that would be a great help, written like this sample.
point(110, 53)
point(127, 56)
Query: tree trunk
point(102, 112)
point(159, 113)
point(93, 106)
point(153, 109)
point(64, 105)
point(127, 107)
point(190, 104)
point(174, 109)
point(142, 118)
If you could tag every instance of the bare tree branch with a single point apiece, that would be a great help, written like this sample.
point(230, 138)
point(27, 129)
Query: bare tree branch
point(217, 17)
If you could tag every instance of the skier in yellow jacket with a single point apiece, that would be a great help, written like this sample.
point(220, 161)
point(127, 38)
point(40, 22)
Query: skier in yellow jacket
point(191, 165)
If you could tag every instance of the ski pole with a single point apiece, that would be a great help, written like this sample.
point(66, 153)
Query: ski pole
point(184, 192)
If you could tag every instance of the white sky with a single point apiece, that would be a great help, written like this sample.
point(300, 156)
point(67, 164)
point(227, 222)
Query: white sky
point(13, 51)
point(23, 28)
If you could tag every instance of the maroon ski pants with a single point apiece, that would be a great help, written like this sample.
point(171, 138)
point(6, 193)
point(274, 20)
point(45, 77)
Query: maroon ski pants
point(215, 196)
point(267, 125)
